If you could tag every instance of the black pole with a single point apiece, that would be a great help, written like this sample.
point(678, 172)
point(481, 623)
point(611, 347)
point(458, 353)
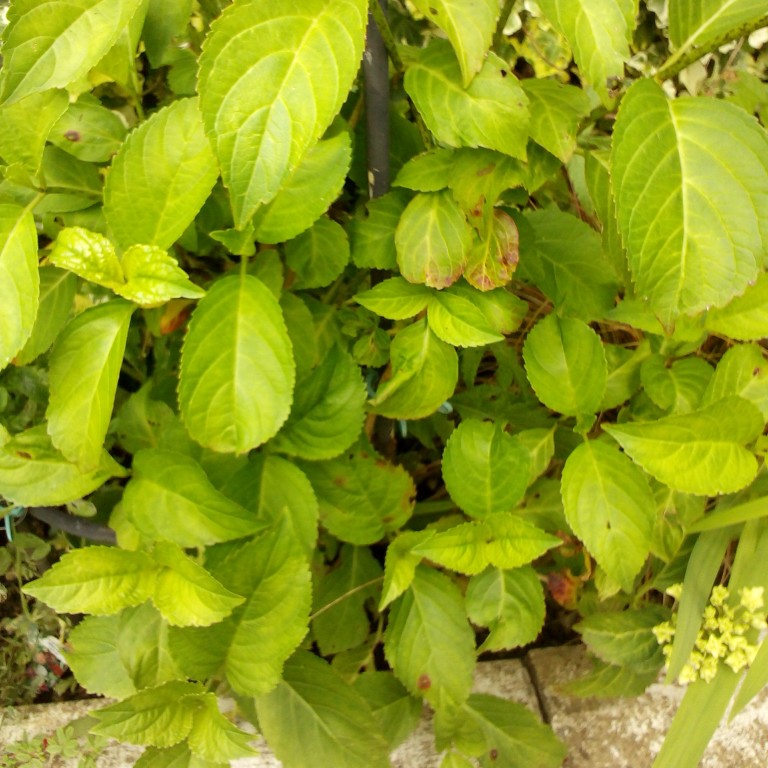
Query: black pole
point(376, 73)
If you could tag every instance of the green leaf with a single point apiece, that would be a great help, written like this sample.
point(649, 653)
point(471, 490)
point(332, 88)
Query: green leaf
point(742, 371)
point(84, 368)
point(501, 540)
point(63, 171)
point(153, 277)
point(457, 320)
point(424, 375)
point(271, 81)
point(170, 498)
point(433, 240)
point(599, 34)
point(610, 507)
point(319, 255)
point(327, 413)
point(469, 26)
point(26, 124)
point(700, 452)
point(57, 293)
point(504, 312)
point(395, 298)
point(237, 370)
point(494, 256)
point(307, 193)
point(566, 261)
point(565, 364)
point(396, 712)
point(89, 131)
point(491, 112)
point(485, 469)
point(120, 654)
point(429, 643)
point(215, 738)
point(745, 317)
point(703, 231)
point(510, 603)
point(89, 255)
point(160, 717)
point(177, 756)
point(314, 712)
point(19, 280)
point(372, 234)
point(361, 497)
point(298, 319)
point(511, 732)
point(625, 638)
point(556, 111)
point(33, 473)
point(185, 593)
point(100, 580)
point(697, 23)
point(341, 622)
point(39, 41)
point(163, 23)
point(609, 681)
point(540, 444)
point(279, 495)
point(400, 564)
point(160, 178)
point(678, 387)
point(271, 573)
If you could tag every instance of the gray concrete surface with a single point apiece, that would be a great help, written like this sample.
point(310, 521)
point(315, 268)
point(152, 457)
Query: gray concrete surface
point(600, 733)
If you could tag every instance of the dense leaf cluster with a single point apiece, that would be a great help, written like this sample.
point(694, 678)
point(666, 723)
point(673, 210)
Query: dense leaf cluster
point(345, 441)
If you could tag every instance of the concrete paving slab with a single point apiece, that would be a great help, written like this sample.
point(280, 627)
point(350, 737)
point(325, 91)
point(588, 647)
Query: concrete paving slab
point(628, 733)
point(502, 678)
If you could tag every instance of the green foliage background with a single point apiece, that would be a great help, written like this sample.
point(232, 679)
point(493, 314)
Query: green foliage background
point(345, 440)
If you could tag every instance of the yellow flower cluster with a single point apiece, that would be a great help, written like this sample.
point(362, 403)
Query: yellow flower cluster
point(723, 634)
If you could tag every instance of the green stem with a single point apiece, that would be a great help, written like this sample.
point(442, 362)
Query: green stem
point(689, 53)
point(498, 35)
point(358, 588)
point(20, 582)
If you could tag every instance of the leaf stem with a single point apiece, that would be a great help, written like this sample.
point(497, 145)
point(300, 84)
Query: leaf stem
point(498, 35)
point(688, 53)
point(358, 588)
